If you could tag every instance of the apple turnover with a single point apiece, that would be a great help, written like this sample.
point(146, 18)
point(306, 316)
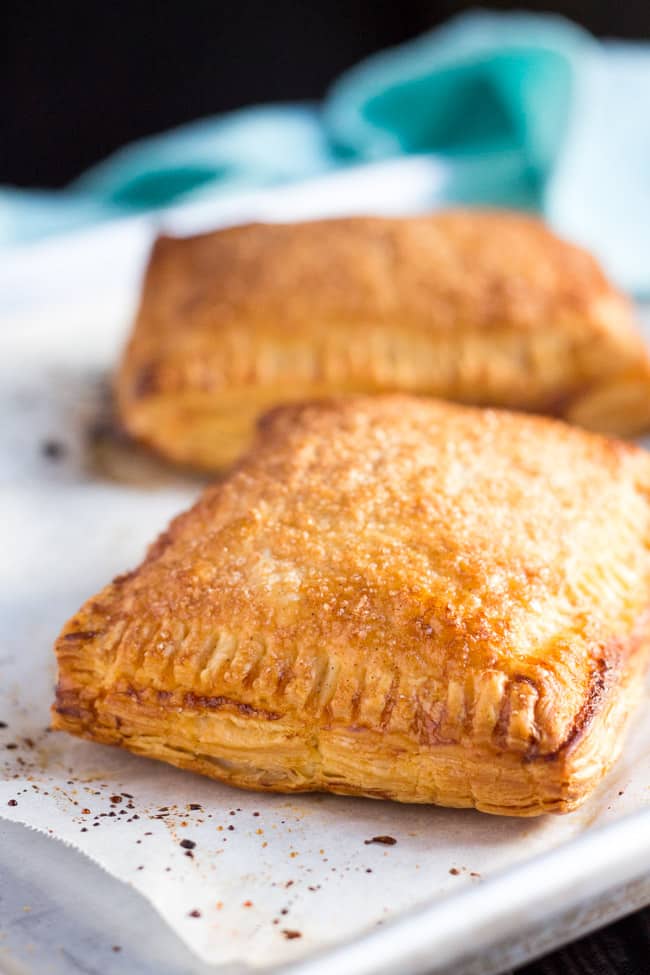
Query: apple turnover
point(391, 597)
point(478, 307)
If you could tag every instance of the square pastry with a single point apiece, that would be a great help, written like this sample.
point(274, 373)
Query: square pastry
point(391, 597)
point(476, 307)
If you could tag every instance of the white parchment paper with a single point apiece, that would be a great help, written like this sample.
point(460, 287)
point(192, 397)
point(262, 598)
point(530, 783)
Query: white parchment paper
point(257, 879)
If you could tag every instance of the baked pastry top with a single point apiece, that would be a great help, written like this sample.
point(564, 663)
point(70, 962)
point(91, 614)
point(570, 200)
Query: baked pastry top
point(479, 307)
point(388, 596)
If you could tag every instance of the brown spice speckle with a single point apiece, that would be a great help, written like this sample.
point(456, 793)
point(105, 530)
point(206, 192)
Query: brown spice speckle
point(290, 935)
point(384, 840)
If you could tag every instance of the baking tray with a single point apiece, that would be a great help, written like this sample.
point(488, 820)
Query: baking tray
point(518, 910)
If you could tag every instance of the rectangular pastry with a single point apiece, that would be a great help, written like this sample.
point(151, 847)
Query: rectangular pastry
point(477, 307)
point(391, 597)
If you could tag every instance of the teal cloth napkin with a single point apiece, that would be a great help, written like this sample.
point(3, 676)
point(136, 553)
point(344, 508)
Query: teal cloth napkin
point(525, 111)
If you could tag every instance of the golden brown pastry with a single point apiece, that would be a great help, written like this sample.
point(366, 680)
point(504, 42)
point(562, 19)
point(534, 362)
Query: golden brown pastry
point(389, 596)
point(478, 307)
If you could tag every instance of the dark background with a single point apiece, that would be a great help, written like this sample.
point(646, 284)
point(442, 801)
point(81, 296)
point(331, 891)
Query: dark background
point(79, 79)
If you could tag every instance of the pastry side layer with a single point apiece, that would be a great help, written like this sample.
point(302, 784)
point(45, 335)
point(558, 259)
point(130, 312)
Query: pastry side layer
point(389, 597)
point(479, 307)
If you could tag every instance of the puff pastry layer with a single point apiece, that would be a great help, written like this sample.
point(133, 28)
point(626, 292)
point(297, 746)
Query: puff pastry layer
point(477, 307)
point(389, 596)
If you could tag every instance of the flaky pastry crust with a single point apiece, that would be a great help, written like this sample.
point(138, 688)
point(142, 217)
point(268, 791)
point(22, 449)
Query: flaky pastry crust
point(391, 597)
point(479, 307)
